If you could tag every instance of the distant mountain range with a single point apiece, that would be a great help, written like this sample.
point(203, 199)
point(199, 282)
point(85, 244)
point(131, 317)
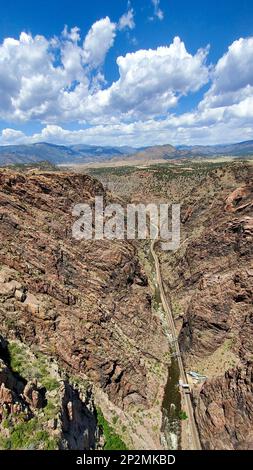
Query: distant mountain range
point(59, 154)
point(74, 154)
point(239, 149)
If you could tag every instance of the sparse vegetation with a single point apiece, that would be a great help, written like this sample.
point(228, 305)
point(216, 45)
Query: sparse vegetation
point(176, 308)
point(28, 435)
point(112, 440)
point(22, 432)
point(17, 353)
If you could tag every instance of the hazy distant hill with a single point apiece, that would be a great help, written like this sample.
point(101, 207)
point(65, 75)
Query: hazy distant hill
point(239, 149)
point(169, 152)
point(108, 151)
point(13, 154)
point(59, 154)
point(157, 152)
point(62, 154)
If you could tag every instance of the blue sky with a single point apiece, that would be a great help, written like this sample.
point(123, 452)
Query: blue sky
point(120, 72)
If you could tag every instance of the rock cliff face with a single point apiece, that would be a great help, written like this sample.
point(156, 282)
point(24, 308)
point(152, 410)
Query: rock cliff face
point(84, 303)
point(78, 420)
point(210, 280)
point(224, 410)
point(36, 417)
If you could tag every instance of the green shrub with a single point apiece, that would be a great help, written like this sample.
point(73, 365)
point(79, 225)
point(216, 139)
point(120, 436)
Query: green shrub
point(112, 440)
point(182, 415)
point(115, 420)
point(16, 357)
point(6, 424)
point(26, 435)
point(50, 383)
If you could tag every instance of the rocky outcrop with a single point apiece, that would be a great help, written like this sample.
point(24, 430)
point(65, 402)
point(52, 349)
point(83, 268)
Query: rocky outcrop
point(78, 420)
point(236, 201)
point(34, 396)
point(218, 277)
point(224, 410)
point(210, 282)
point(84, 302)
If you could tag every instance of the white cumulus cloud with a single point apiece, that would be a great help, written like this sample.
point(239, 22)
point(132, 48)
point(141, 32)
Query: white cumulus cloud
point(60, 80)
point(98, 41)
point(232, 80)
point(12, 137)
point(152, 81)
point(35, 86)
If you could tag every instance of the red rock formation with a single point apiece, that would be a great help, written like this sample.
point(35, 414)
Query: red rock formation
point(87, 302)
point(224, 410)
point(234, 201)
point(212, 279)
